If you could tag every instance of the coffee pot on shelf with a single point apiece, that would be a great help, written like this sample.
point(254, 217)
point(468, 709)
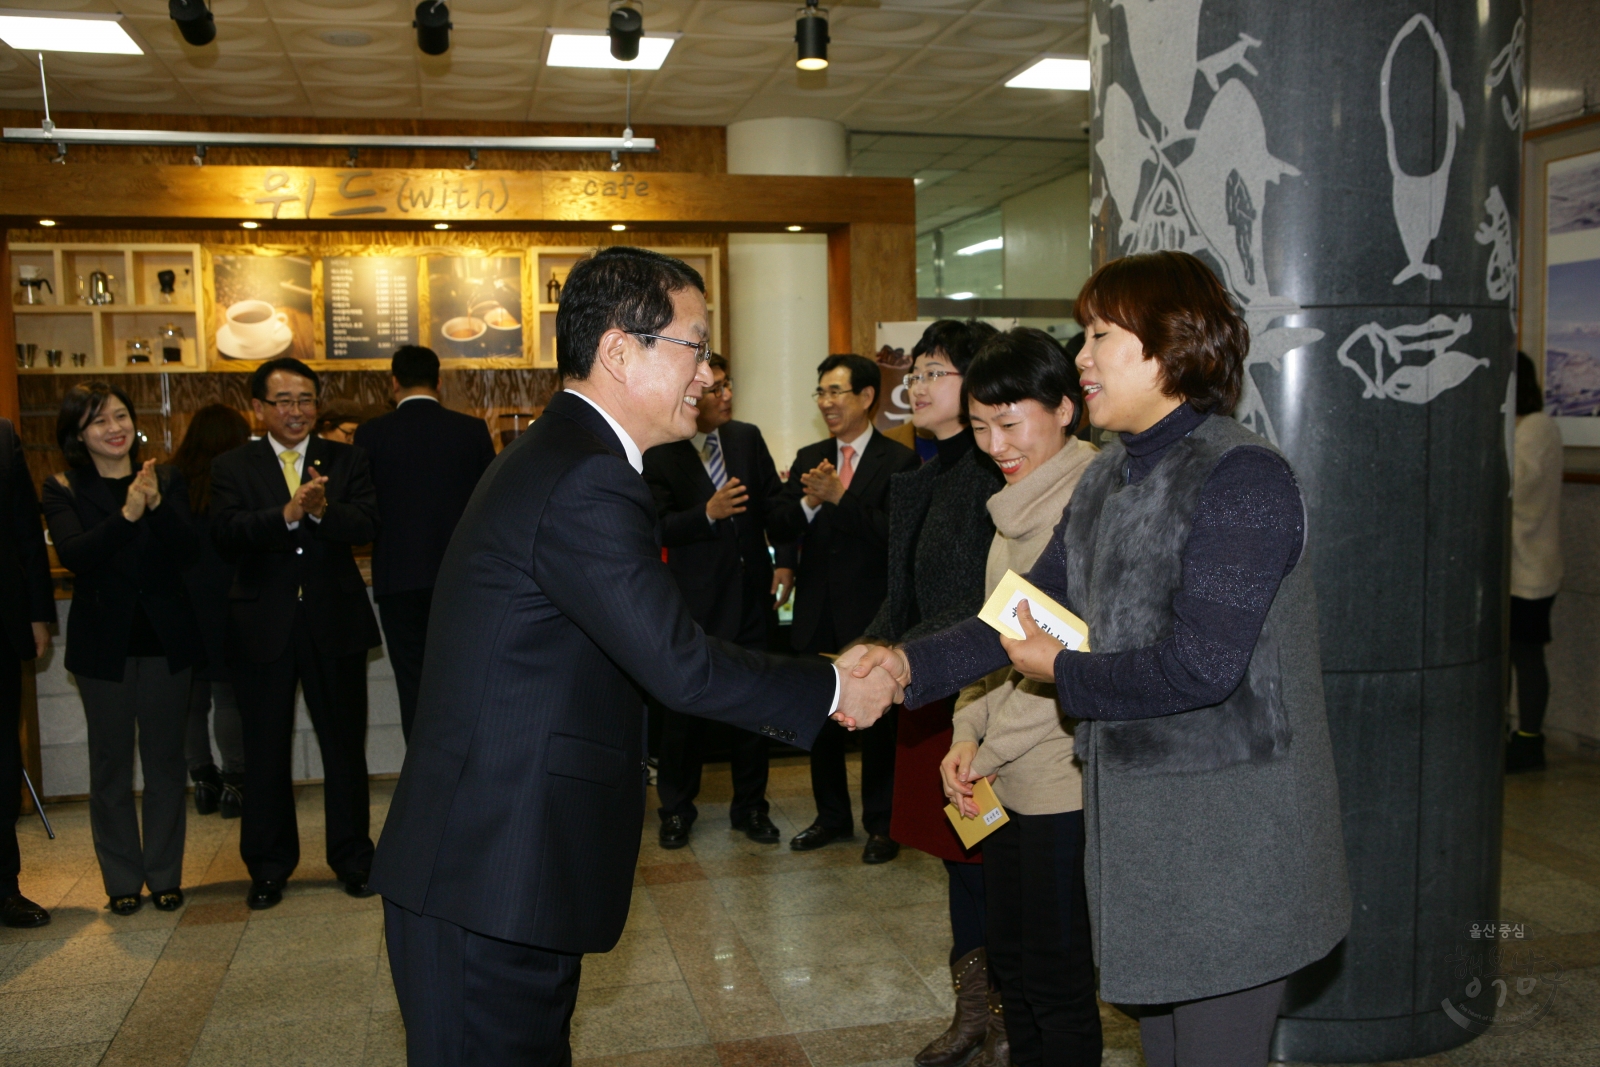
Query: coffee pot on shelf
point(171, 343)
point(100, 291)
point(30, 281)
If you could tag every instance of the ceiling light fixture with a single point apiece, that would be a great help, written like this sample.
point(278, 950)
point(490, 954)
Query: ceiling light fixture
point(617, 227)
point(1054, 72)
point(625, 28)
point(47, 222)
point(795, 229)
point(592, 48)
point(191, 138)
point(194, 21)
point(44, 31)
point(993, 244)
point(811, 37)
point(962, 296)
point(441, 225)
point(433, 27)
point(250, 224)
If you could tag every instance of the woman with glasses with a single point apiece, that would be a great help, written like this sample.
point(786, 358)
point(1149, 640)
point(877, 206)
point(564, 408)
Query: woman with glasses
point(124, 530)
point(338, 420)
point(939, 533)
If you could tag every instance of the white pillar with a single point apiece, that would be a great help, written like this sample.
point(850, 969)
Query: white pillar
point(778, 288)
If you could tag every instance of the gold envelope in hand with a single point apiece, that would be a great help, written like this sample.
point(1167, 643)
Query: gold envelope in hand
point(1001, 612)
point(991, 815)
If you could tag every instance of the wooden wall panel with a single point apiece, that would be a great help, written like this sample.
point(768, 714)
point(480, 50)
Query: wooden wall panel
point(883, 280)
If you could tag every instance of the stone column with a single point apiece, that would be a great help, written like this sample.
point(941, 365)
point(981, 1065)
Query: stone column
point(1353, 179)
point(778, 288)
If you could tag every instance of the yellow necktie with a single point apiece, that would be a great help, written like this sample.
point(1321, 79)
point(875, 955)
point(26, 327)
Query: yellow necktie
point(291, 472)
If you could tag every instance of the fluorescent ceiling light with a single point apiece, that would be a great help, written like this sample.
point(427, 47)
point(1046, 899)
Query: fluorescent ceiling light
point(962, 296)
point(991, 245)
point(583, 48)
point(1054, 72)
point(44, 32)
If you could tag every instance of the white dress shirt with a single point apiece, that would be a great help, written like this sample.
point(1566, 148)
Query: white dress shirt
point(859, 444)
point(417, 396)
point(278, 449)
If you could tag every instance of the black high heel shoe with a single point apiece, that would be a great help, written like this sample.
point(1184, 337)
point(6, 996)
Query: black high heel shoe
point(207, 789)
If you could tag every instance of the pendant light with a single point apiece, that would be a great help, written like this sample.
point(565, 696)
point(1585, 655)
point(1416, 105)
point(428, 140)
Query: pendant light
point(811, 37)
point(625, 27)
point(194, 21)
point(432, 23)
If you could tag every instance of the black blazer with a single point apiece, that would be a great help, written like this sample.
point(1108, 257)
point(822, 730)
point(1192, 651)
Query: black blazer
point(273, 562)
point(426, 460)
point(718, 567)
point(521, 801)
point(26, 594)
point(844, 552)
point(117, 565)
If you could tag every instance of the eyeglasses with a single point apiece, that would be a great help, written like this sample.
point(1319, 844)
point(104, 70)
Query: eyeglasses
point(930, 377)
point(303, 403)
point(833, 393)
point(702, 349)
point(724, 389)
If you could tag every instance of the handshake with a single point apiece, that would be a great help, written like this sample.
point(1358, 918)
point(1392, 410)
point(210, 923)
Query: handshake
point(872, 678)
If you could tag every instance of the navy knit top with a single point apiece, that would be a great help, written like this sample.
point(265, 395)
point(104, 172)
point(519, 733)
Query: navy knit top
point(1246, 536)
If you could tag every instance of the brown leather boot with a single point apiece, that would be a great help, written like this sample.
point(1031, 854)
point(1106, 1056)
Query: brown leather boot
point(996, 1046)
point(957, 1045)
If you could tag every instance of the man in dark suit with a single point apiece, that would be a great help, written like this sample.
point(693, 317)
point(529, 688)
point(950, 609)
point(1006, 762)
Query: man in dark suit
point(713, 493)
point(510, 846)
point(836, 504)
point(27, 609)
point(286, 509)
point(426, 460)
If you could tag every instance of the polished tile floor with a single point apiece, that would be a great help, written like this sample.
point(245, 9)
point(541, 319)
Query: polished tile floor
point(735, 954)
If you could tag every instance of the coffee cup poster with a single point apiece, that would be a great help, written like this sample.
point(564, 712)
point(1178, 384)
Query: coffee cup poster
point(263, 307)
point(475, 306)
point(1572, 288)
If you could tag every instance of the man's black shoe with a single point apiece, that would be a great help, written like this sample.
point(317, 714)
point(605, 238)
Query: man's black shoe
point(264, 894)
point(674, 832)
point(356, 885)
point(881, 848)
point(207, 789)
point(19, 912)
point(815, 836)
point(759, 828)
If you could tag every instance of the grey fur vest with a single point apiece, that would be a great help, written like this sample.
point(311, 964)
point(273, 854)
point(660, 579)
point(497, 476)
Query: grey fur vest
point(1214, 854)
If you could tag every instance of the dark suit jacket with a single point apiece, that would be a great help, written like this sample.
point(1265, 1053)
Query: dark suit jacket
point(26, 595)
point(273, 562)
point(117, 565)
point(521, 802)
point(844, 551)
point(719, 567)
point(426, 460)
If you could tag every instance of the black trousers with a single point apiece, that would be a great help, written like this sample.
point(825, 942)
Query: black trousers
point(1233, 1030)
point(405, 633)
point(830, 788)
point(468, 999)
point(682, 756)
point(969, 908)
point(269, 836)
point(10, 769)
point(1039, 946)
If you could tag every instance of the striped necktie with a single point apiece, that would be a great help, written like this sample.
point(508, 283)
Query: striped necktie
point(713, 457)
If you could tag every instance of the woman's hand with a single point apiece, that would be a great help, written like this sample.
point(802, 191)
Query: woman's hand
point(956, 771)
point(888, 657)
point(133, 507)
point(149, 484)
point(1034, 656)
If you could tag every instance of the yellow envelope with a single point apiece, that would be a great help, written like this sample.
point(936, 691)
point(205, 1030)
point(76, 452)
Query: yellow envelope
point(991, 815)
point(1001, 612)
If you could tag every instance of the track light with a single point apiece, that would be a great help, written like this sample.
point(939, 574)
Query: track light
point(194, 21)
point(433, 27)
point(625, 28)
point(811, 35)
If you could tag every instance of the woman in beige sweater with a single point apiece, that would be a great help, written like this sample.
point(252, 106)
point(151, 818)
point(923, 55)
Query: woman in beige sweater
point(1024, 403)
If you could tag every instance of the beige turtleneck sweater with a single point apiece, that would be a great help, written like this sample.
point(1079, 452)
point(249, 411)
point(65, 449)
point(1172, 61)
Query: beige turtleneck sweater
point(1025, 740)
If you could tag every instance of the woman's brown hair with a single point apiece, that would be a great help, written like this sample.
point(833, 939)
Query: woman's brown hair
point(1182, 315)
point(215, 429)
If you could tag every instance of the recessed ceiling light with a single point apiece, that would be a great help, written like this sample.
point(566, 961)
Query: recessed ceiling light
point(618, 227)
point(1054, 72)
point(962, 296)
point(47, 222)
point(346, 38)
point(441, 225)
point(249, 225)
point(991, 245)
point(795, 229)
point(584, 48)
point(43, 31)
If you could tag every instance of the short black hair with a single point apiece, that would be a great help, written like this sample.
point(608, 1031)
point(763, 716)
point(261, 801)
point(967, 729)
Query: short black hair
point(414, 365)
point(82, 404)
point(958, 340)
point(1023, 364)
point(622, 288)
point(718, 361)
point(864, 372)
point(258, 378)
point(1530, 394)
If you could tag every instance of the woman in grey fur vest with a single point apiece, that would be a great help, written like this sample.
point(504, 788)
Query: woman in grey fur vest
point(1214, 854)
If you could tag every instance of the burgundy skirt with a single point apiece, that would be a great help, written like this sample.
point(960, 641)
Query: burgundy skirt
point(919, 820)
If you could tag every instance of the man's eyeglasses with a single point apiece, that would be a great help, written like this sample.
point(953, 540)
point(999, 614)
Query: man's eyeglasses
point(832, 393)
point(702, 349)
point(930, 377)
point(722, 388)
point(305, 403)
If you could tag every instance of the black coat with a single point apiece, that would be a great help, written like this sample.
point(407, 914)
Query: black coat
point(26, 594)
point(844, 552)
point(721, 568)
point(520, 805)
point(273, 562)
point(117, 565)
point(426, 460)
point(209, 581)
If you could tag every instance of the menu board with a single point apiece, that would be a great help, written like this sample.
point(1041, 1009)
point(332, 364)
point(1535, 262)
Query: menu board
point(369, 305)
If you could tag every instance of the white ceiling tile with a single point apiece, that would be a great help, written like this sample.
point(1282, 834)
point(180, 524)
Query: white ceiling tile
point(395, 11)
point(367, 99)
point(224, 10)
point(499, 45)
point(1021, 35)
point(922, 91)
point(723, 52)
point(234, 36)
point(743, 20)
point(127, 95)
point(486, 76)
point(247, 94)
point(353, 70)
point(864, 25)
point(696, 110)
point(242, 69)
point(500, 13)
point(398, 43)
